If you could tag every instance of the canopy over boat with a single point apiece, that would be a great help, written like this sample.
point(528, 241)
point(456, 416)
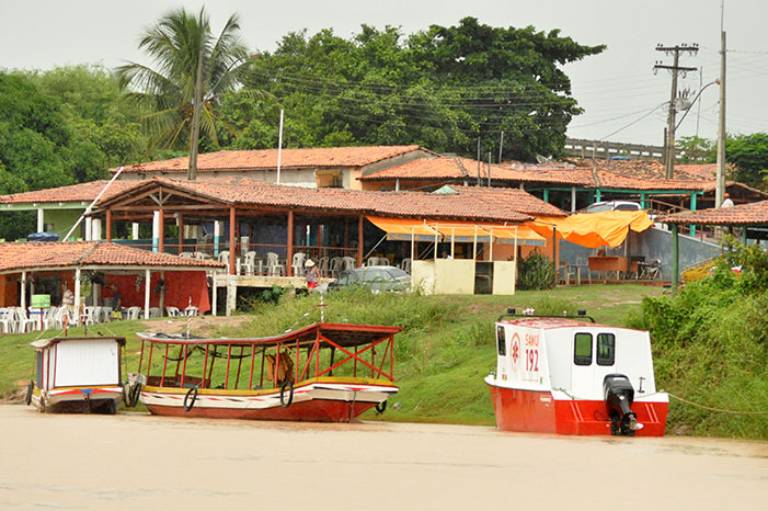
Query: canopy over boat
point(342, 334)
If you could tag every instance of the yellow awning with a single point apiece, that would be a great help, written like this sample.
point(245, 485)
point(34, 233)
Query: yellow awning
point(594, 230)
point(400, 228)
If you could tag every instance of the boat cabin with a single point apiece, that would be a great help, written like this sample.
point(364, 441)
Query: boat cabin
point(557, 373)
point(77, 374)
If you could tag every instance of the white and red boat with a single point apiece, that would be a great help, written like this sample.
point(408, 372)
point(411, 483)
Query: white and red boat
point(571, 376)
point(324, 372)
point(77, 374)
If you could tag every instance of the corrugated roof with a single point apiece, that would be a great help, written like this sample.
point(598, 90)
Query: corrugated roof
point(755, 213)
point(265, 159)
point(31, 255)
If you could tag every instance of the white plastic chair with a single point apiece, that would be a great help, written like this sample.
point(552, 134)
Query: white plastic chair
point(191, 311)
point(224, 258)
point(406, 265)
point(249, 263)
point(274, 267)
point(349, 263)
point(133, 312)
point(372, 261)
point(337, 266)
point(173, 312)
point(323, 266)
point(23, 322)
point(6, 320)
point(298, 263)
point(89, 315)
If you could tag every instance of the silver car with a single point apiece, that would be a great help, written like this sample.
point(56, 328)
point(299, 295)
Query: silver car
point(375, 278)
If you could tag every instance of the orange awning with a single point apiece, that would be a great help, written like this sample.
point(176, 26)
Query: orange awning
point(594, 230)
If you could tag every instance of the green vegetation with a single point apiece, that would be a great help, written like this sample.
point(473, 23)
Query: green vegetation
point(748, 154)
point(442, 355)
point(536, 272)
point(711, 347)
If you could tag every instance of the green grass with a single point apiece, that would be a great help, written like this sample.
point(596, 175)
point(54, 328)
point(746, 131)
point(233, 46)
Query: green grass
point(442, 355)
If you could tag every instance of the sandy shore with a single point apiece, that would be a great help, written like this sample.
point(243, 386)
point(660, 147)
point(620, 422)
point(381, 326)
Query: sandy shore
point(141, 462)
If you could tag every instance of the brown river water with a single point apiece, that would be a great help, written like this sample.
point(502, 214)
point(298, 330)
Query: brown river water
point(139, 462)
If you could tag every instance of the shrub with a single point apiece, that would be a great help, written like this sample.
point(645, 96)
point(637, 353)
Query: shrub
point(536, 272)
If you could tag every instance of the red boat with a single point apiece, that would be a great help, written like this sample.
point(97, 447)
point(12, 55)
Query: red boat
point(324, 372)
point(571, 376)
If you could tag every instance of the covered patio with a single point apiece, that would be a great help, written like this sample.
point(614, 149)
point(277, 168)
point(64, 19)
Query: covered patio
point(748, 221)
point(148, 284)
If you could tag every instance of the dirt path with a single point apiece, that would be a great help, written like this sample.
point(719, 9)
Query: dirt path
point(142, 462)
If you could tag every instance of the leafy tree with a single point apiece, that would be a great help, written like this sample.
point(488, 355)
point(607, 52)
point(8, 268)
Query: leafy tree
point(193, 68)
point(697, 150)
point(442, 88)
point(750, 155)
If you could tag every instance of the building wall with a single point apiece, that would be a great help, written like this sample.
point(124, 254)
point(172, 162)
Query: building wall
point(61, 221)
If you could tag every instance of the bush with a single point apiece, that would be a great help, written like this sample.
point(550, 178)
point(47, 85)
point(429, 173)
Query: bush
point(536, 272)
point(710, 344)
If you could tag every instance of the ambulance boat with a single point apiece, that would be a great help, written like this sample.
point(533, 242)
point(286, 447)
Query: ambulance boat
point(571, 376)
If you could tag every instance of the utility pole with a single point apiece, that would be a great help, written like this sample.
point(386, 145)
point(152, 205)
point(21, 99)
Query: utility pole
point(698, 107)
point(280, 145)
point(489, 169)
point(720, 185)
point(479, 180)
point(501, 146)
point(675, 69)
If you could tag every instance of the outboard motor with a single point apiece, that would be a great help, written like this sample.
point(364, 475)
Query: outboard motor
point(619, 396)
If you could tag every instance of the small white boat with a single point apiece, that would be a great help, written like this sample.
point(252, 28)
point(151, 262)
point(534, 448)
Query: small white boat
point(77, 374)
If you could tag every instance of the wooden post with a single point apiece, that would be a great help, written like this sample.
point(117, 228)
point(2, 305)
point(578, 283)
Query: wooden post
point(181, 232)
point(147, 287)
point(360, 240)
point(232, 242)
point(675, 257)
point(161, 231)
point(289, 247)
point(77, 296)
point(109, 224)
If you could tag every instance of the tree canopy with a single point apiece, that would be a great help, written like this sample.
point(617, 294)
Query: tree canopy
point(192, 69)
point(443, 88)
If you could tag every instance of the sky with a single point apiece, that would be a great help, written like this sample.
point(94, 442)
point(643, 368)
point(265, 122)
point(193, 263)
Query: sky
point(622, 98)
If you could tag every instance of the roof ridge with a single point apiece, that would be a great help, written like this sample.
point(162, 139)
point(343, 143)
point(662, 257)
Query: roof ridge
point(88, 252)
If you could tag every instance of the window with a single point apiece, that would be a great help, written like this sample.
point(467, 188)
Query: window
point(582, 349)
point(501, 341)
point(606, 349)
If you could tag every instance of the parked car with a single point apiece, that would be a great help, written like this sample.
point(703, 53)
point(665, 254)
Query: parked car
point(614, 205)
point(375, 278)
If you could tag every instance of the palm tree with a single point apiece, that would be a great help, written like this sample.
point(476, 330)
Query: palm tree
point(192, 69)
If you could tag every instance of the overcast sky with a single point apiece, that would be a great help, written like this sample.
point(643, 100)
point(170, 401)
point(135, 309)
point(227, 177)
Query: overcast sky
point(615, 88)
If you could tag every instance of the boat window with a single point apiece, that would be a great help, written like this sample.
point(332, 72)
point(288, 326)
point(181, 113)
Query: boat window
point(582, 349)
point(39, 368)
point(501, 341)
point(606, 349)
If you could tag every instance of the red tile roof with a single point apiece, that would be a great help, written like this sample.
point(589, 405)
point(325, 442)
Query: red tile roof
point(31, 255)
point(755, 213)
point(252, 192)
point(521, 200)
point(606, 174)
point(81, 192)
point(266, 159)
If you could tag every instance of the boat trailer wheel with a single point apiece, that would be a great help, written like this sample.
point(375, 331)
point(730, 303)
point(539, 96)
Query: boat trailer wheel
point(132, 398)
point(28, 398)
point(283, 402)
point(189, 403)
point(381, 407)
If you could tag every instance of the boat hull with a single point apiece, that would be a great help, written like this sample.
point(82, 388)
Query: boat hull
point(78, 399)
point(542, 412)
point(314, 402)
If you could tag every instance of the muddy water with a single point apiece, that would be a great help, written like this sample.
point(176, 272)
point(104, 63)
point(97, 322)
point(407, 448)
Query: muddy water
point(140, 462)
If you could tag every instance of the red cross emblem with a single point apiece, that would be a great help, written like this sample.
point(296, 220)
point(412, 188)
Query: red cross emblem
point(515, 349)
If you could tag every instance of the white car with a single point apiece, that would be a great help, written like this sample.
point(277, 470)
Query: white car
point(614, 205)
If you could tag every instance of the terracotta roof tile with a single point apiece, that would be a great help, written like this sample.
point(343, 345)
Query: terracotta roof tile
point(260, 159)
point(755, 213)
point(521, 200)
point(404, 204)
point(81, 192)
point(30, 255)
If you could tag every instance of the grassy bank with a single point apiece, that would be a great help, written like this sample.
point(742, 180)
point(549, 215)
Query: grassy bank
point(442, 355)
